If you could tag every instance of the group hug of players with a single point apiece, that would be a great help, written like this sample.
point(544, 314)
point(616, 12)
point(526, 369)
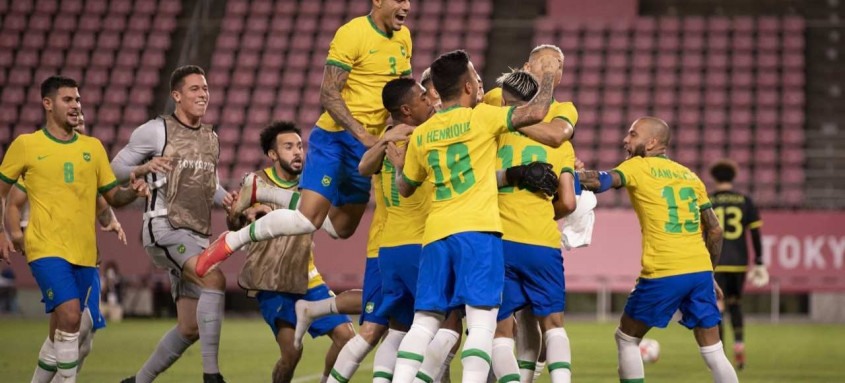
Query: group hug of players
point(468, 189)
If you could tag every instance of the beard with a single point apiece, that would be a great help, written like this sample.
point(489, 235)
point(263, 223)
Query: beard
point(638, 151)
point(289, 168)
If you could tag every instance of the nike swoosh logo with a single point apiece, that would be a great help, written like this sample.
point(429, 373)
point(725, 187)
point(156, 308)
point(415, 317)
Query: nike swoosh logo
point(43, 157)
point(373, 51)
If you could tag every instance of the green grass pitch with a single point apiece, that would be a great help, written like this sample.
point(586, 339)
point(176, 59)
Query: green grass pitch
point(776, 353)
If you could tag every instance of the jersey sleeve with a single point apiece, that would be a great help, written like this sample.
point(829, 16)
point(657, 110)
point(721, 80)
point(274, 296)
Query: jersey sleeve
point(409, 53)
point(701, 193)
point(344, 49)
point(144, 143)
point(629, 170)
point(752, 215)
point(14, 162)
point(567, 159)
point(105, 176)
point(496, 119)
point(413, 172)
point(565, 111)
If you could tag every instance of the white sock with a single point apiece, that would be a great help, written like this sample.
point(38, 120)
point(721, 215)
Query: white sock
point(86, 336)
point(437, 352)
point(66, 345)
point(718, 364)
point(528, 344)
point(412, 349)
point(286, 198)
point(504, 362)
point(558, 355)
point(46, 368)
point(475, 356)
point(538, 371)
point(385, 358)
point(349, 358)
point(321, 308)
point(445, 369)
point(275, 224)
point(630, 360)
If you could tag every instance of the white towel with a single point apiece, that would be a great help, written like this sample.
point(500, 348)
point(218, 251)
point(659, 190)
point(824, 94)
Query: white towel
point(578, 226)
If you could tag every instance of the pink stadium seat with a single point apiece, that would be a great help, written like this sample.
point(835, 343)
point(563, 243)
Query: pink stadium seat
point(140, 22)
point(238, 97)
point(767, 80)
point(20, 76)
point(258, 115)
point(741, 78)
point(765, 135)
point(258, 24)
point(102, 58)
point(764, 174)
point(664, 97)
point(715, 135)
point(40, 22)
point(247, 60)
point(792, 196)
point(34, 40)
point(690, 98)
point(614, 98)
point(691, 80)
point(741, 116)
point(792, 136)
point(153, 58)
point(793, 156)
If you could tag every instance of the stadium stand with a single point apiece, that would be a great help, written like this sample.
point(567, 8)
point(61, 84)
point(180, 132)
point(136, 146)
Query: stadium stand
point(114, 49)
point(730, 86)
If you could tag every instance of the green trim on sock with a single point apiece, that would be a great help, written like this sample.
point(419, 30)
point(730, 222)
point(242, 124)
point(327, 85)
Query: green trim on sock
point(409, 355)
point(637, 380)
point(46, 367)
point(526, 365)
point(294, 199)
point(252, 232)
point(556, 365)
point(476, 352)
point(509, 378)
point(425, 378)
point(337, 376)
point(68, 365)
point(383, 375)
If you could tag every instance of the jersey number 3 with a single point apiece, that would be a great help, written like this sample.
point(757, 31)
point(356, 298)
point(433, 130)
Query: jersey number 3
point(461, 177)
point(731, 219)
point(674, 226)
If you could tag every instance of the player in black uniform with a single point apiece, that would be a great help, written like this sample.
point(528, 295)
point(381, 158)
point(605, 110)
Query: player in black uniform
point(736, 213)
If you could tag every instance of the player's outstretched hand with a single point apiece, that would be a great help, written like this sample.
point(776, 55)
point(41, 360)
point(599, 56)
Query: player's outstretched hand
point(6, 248)
point(535, 177)
point(230, 199)
point(156, 165)
point(116, 227)
point(142, 190)
point(579, 165)
point(398, 133)
point(396, 155)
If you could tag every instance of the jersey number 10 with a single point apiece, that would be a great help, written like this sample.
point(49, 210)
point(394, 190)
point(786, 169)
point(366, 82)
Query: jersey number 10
point(461, 177)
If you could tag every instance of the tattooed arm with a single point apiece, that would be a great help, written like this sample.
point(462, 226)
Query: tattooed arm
point(334, 79)
point(535, 110)
point(712, 235)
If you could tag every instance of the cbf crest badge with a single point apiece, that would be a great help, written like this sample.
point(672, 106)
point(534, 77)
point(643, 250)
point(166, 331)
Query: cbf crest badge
point(370, 307)
point(86, 156)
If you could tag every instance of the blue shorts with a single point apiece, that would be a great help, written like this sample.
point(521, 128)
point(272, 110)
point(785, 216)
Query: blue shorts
point(331, 168)
point(461, 269)
point(400, 267)
point(533, 276)
point(654, 301)
point(60, 281)
point(373, 297)
point(276, 306)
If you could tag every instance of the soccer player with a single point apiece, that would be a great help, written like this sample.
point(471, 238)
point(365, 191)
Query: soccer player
point(737, 214)
point(534, 273)
point(178, 154)
point(60, 165)
point(365, 54)
point(430, 92)
point(398, 255)
point(280, 271)
point(17, 215)
point(677, 260)
point(461, 263)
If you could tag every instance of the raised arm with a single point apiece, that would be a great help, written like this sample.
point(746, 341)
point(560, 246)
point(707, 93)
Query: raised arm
point(535, 110)
point(334, 79)
point(553, 133)
point(600, 181)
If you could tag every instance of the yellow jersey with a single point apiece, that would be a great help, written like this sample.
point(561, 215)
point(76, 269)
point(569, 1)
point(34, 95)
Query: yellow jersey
point(62, 182)
point(374, 237)
point(405, 216)
point(668, 199)
point(455, 152)
point(372, 58)
point(528, 217)
point(314, 277)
